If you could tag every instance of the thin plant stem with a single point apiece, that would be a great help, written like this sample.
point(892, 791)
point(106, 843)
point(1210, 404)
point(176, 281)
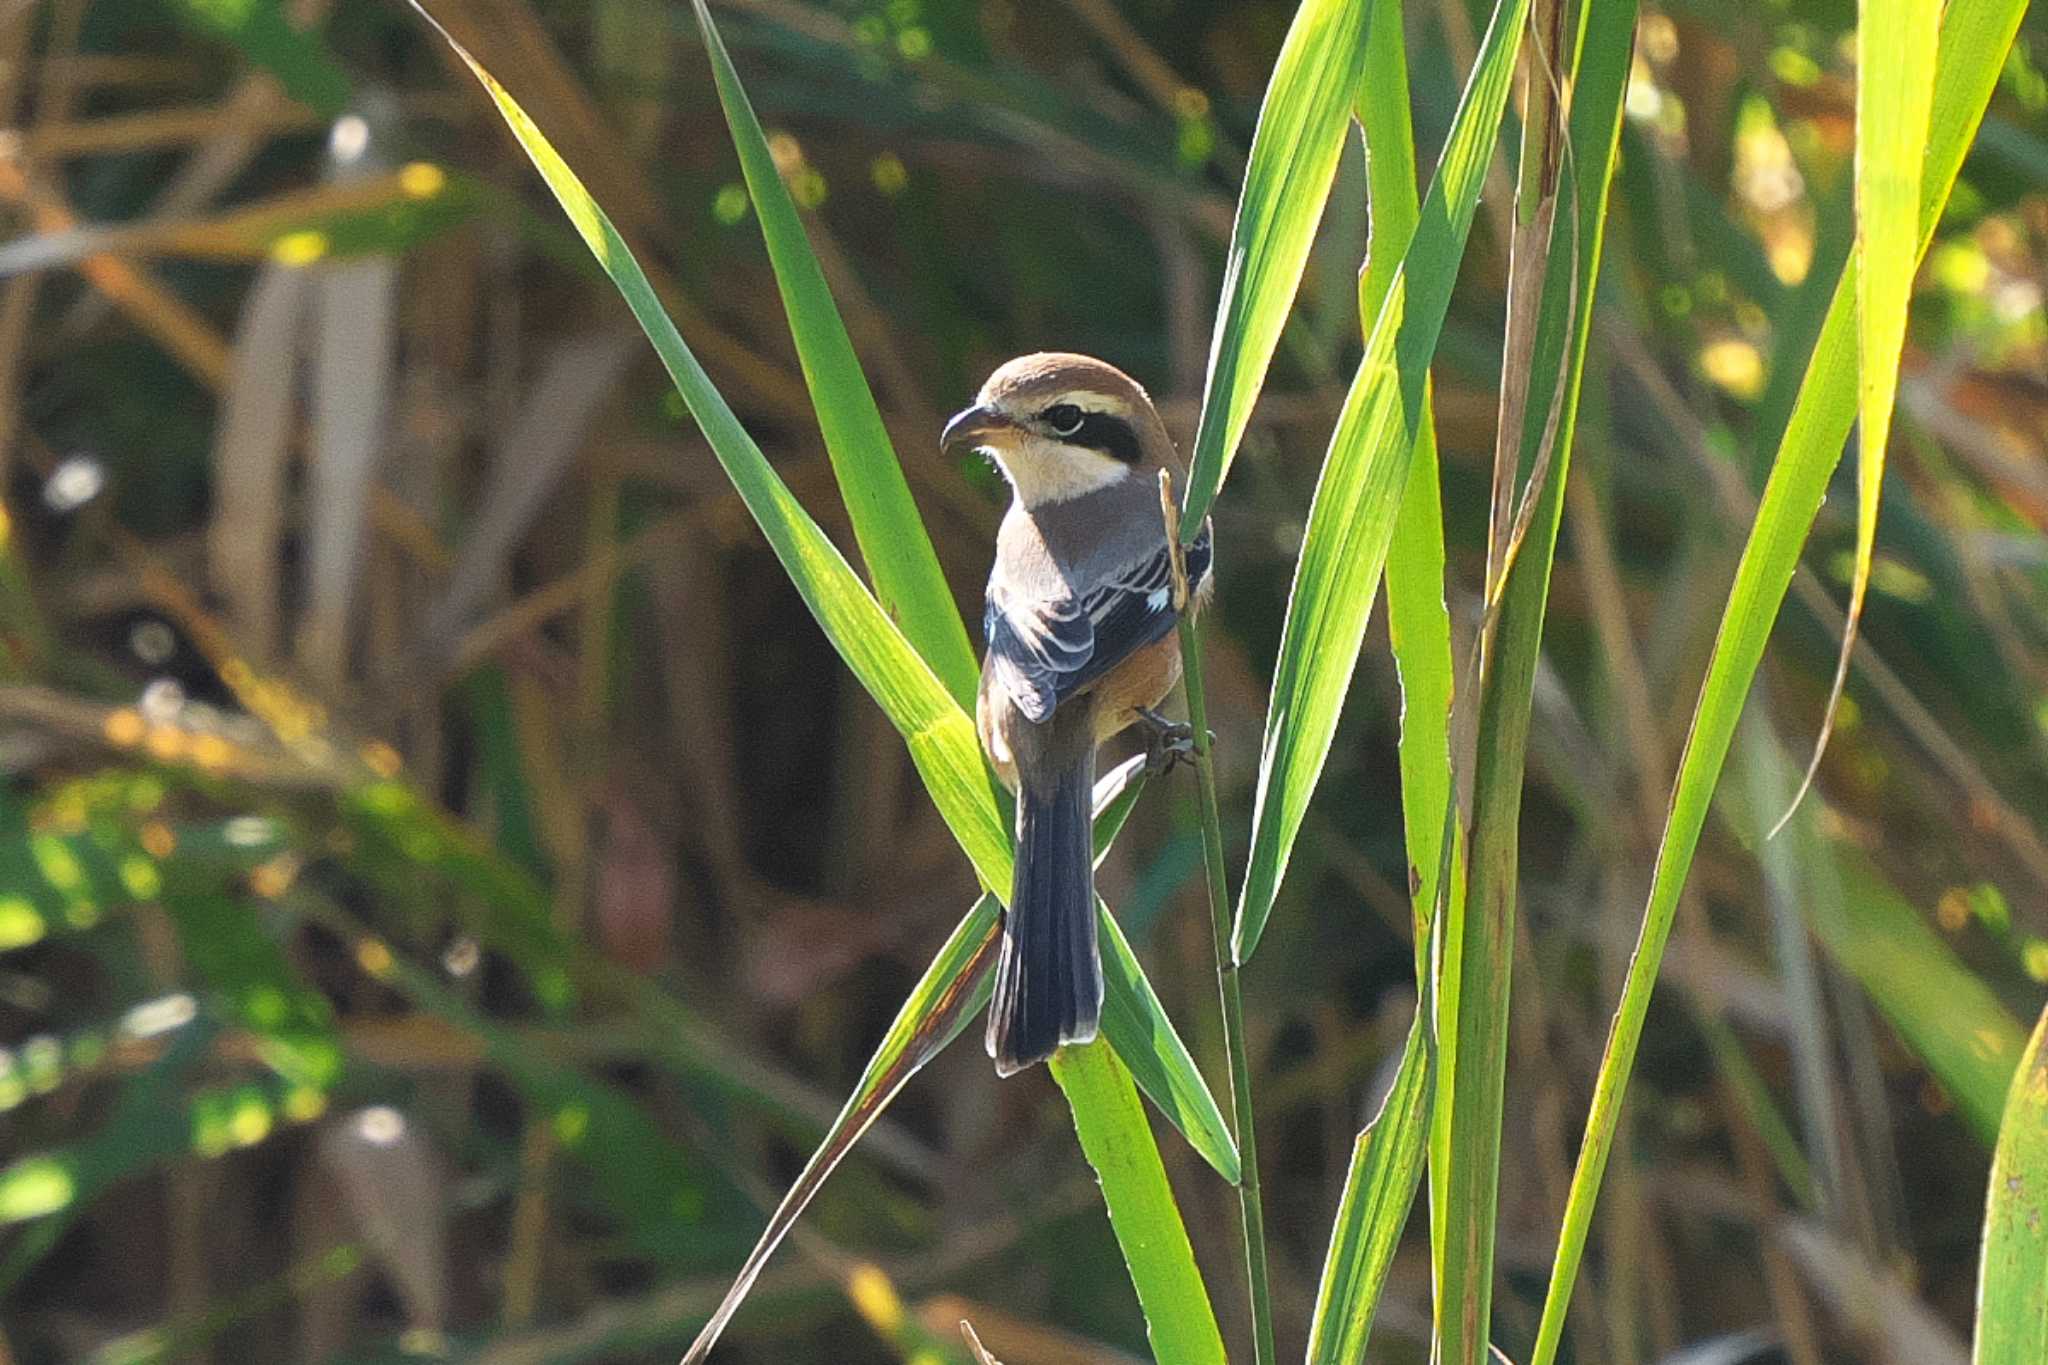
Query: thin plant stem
point(1250, 1205)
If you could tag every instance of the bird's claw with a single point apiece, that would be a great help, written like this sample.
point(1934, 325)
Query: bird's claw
point(1167, 742)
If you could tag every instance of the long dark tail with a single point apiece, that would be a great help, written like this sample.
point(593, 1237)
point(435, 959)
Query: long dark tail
point(1049, 978)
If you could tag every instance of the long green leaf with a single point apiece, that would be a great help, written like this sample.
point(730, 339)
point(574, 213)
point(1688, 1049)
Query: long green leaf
point(1975, 35)
point(1137, 1026)
point(1111, 1125)
point(940, 735)
point(908, 580)
point(1941, 1009)
point(1418, 617)
point(1895, 45)
point(1293, 160)
point(2012, 1284)
point(1597, 75)
point(1386, 1166)
point(1351, 520)
point(950, 993)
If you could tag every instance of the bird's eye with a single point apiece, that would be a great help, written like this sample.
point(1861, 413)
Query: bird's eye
point(1064, 418)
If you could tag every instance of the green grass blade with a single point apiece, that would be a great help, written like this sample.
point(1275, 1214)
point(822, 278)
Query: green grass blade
point(950, 993)
point(1598, 80)
point(940, 734)
point(1895, 46)
point(2012, 1285)
point(1137, 1026)
point(1351, 521)
point(1975, 35)
point(1944, 1012)
point(1386, 1166)
point(908, 581)
point(1300, 135)
point(1111, 1125)
point(1418, 618)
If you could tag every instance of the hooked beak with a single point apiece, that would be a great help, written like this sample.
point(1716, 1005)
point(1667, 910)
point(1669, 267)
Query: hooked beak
point(974, 427)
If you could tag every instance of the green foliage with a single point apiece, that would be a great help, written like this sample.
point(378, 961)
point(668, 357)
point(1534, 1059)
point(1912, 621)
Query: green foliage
point(2012, 1290)
point(1302, 126)
point(1974, 36)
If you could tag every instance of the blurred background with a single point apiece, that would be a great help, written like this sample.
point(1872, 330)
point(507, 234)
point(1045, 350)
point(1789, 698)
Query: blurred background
point(447, 881)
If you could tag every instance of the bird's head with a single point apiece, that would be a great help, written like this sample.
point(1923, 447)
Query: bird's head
point(1061, 425)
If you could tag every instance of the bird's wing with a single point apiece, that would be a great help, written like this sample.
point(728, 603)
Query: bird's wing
point(1040, 653)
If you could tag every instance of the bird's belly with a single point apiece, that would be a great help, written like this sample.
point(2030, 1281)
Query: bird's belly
point(1140, 682)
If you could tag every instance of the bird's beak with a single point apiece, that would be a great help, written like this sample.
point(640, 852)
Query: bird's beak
point(974, 427)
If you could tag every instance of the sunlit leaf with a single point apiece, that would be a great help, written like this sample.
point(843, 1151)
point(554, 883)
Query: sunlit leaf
point(1294, 155)
point(1178, 1316)
point(1975, 35)
point(1418, 616)
point(1351, 521)
point(1386, 1165)
point(1895, 44)
point(2012, 1285)
point(908, 580)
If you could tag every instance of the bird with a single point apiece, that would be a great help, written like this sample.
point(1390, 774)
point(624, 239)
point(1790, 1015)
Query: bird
point(1079, 622)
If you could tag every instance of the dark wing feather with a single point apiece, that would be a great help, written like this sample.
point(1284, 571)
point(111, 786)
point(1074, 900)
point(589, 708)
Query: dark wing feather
point(1042, 653)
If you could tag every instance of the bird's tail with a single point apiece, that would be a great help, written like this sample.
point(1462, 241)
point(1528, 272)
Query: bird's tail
point(1049, 977)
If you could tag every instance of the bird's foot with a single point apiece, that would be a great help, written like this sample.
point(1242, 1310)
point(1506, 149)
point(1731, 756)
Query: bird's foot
point(1167, 742)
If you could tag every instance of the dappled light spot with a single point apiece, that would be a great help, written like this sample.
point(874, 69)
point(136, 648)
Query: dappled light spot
point(348, 139)
point(165, 743)
point(249, 831)
point(888, 172)
point(462, 957)
point(249, 1120)
point(272, 879)
point(421, 180)
point(58, 864)
point(572, 1122)
point(380, 1125)
point(875, 1298)
point(140, 877)
point(210, 1136)
point(74, 483)
point(1735, 366)
point(154, 1018)
point(304, 1103)
point(20, 923)
point(301, 248)
point(42, 1064)
point(34, 1187)
point(266, 1007)
point(157, 840)
point(374, 958)
point(551, 984)
point(212, 752)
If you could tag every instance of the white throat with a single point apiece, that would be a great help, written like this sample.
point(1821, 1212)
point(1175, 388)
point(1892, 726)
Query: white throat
point(1043, 471)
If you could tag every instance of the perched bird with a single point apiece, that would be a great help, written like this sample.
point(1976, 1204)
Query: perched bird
point(1080, 624)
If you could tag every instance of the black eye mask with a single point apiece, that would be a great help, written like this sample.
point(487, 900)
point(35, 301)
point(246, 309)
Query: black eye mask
point(1101, 431)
